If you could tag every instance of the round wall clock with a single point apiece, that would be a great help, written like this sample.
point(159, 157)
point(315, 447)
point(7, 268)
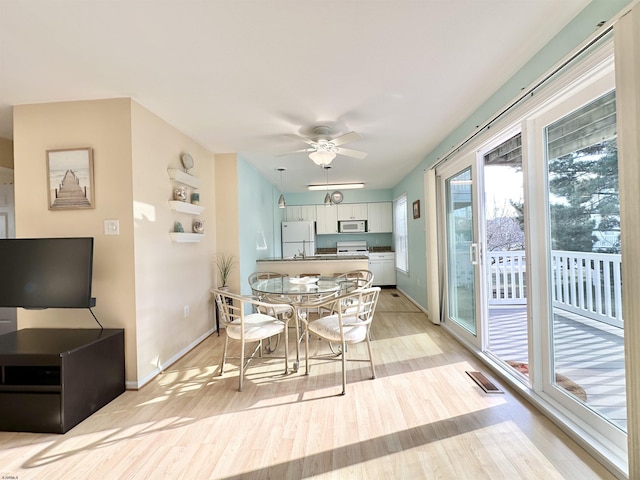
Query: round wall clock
point(336, 197)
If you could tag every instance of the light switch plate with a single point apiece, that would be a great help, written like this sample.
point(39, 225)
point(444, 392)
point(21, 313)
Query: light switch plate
point(112, 227)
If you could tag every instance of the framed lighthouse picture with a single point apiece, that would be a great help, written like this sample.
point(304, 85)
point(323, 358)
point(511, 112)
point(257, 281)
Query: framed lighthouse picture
point(70, 179)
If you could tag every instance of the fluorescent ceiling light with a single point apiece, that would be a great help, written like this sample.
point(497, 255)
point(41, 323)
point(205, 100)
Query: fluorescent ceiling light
point(336, 186)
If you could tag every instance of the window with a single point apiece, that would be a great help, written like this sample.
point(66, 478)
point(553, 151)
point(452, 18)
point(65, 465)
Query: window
point(400, 234)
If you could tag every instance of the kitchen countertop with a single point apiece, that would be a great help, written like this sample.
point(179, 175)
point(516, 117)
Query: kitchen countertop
point(319, 257)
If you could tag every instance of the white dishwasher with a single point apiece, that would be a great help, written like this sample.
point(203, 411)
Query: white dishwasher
point(383, 267)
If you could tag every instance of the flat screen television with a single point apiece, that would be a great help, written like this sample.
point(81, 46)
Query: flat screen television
point(46, 272)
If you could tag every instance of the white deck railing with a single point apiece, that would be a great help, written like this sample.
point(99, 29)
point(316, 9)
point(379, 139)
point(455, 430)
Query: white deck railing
point(587, 284)
point(507, 280)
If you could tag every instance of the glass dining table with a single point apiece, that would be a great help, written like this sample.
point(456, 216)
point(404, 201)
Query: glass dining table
point(299, 292)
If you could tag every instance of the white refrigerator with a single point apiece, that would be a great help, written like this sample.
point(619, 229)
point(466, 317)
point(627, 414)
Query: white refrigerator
point(298, 238)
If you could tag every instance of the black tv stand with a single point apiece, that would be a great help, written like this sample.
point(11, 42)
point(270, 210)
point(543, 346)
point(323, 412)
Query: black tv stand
point(52, 379)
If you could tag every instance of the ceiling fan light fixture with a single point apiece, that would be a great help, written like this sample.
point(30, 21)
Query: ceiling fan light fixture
point(322, 157)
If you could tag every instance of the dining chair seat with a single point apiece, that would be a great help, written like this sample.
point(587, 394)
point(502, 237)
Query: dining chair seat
point(257, 326)
point(353, 328)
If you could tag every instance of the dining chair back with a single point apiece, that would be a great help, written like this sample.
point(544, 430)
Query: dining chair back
point(354, 280)
point(348, 323)
point(256, 276)
point(246, 320)
point(359, 278)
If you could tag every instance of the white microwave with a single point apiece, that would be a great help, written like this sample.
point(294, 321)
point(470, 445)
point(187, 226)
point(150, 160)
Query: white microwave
point(352, 226)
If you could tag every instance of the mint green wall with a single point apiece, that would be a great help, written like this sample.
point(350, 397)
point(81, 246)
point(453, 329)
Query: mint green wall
point(259, 214)
point(414, 284)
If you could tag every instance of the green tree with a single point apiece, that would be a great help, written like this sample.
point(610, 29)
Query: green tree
point(583, 188)
point(583, 192)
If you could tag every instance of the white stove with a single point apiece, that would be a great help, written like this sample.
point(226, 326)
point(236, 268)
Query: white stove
point(352, 248)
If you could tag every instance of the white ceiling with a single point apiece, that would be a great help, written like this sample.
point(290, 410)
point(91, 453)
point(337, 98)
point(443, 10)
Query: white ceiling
point(247, 76)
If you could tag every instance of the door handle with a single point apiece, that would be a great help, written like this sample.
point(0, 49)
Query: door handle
point(473, 253)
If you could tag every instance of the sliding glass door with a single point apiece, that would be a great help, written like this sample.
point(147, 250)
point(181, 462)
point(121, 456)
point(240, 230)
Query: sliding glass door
point(530, 251)
point(585, 324)
point(503, 241)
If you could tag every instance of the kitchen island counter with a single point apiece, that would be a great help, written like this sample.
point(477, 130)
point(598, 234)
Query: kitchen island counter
point(326, 265)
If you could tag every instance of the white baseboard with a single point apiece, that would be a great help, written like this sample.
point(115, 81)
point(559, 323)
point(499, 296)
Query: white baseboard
point(416, 304)
point(164, 365)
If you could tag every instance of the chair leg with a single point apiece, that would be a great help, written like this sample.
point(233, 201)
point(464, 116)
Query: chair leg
point(224, 354)
point(241, 378)
point(306, 351)
point(373, 368)
point(286, 349)
point(297, 362)
point(344, 368)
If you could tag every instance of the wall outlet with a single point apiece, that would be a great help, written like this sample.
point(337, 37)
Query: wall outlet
point(186, 311)
point(418, 280)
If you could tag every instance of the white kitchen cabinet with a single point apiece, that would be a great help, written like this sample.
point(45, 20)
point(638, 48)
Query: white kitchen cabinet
point(301, 213)
point(352, 211)
point(380, 217)
point(383, 267)
point(326, 219)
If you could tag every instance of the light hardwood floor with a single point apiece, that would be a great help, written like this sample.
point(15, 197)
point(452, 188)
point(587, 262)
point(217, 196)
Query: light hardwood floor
point(422, 417)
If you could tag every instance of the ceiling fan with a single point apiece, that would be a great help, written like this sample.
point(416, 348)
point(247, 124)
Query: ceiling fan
point(323, 148)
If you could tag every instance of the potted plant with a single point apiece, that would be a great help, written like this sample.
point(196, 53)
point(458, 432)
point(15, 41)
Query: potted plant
point(224, 263)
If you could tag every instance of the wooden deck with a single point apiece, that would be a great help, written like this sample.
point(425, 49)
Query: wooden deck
point(588, 352)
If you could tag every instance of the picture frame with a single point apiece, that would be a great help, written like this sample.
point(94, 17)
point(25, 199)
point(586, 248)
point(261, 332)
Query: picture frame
point(70, 179)
point(416, 209)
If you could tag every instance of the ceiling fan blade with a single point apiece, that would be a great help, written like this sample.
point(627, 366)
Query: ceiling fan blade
point(352, 153)
point(295, 151)
point(306, 140)
point(346, 138)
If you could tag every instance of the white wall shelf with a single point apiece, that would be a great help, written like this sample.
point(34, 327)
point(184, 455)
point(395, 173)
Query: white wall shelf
point(186, 207)
point(184, 178)
point(181, 237)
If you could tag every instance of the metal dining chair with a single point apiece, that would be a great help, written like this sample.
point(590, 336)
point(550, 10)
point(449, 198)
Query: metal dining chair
point(345, 325)
point(245, 325)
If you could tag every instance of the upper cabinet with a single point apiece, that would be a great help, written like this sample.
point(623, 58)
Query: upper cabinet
point(380, 217)
point(352, 211)
point(326, 219)
point(300, 213)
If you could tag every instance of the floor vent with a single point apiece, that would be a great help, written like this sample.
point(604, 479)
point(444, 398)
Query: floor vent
point(484, 383)
point(395, 295)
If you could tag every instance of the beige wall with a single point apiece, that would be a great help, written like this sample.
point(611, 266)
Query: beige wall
point(103, 125)
point(6, 153)
point(169, 276)
point(141, 280)
point(227, 213)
